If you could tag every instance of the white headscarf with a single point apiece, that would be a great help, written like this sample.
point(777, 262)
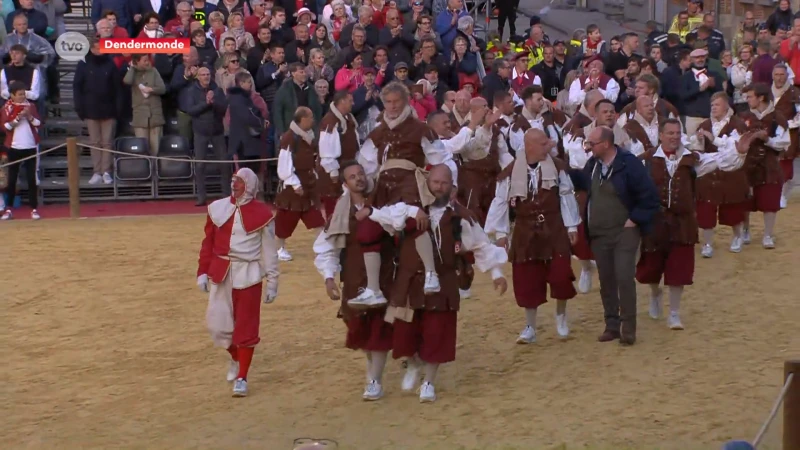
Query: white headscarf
point(251, 185)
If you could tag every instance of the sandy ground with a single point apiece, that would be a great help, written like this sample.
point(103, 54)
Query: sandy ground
point(105, 347)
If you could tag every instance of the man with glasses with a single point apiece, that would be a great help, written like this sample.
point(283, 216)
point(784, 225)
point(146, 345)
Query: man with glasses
point(622, 202)
point(428, 54)
point(179, 26)
point(498, 80)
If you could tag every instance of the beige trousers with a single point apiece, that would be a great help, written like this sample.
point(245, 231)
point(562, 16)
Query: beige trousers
point(692, 124)
point(153, 136)
point(101, 133)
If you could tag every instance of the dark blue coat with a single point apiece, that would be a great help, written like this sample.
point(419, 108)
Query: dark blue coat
point(97, 88)
point(245, 117)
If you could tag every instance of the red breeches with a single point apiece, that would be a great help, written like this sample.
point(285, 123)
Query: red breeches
point(530, 280)
point(369, 332)
point(787, 167)
point(676, 266)
point(582, 250)
point(286, 221)
point(246, 316)
point(729, 215)
point(431, 334)
point(767, 198)
point(329, 204)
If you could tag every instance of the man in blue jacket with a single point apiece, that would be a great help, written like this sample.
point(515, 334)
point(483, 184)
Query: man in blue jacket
point(446, 25)
point(622, 203)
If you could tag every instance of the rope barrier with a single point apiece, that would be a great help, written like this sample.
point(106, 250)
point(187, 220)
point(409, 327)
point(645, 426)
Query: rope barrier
point(773, 412)
point(38, 154)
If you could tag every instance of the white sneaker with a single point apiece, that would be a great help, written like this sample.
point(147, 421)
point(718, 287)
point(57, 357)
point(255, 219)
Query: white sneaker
point(562, 326)
point(233, 371)
point(107, 178)
point(784, 201)
point(367, 299)
point(736, 244)
point(528, 336)
point(284, 254)
point(373, 391)
point(674, 321)
point(240, 387)
point(707, 251)
point(585, 281)
point(35, 215)
point(746, 237)
point(96, 179)
point(768, 243)
point(431, 283)
point(7, 215)
point(427, 394)
point(465, 293)
point(656, 305)
point(411, 378)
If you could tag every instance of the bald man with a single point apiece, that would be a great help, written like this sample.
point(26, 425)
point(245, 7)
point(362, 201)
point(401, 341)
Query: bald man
point(429, 339)
point(298, 198)
point(460, 113)
point(547, 219)
point(449, 100)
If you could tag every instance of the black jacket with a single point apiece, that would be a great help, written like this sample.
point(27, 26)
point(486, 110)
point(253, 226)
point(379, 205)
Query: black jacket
point(268, 80)
point(697, 103)
point(254, 57)
point(246, 120)
point(716, 43)
point(97, 88)
point(634, 188)
point(400, 47)
point(291, 50)
point(552, 80)
point(206, 119)
point(207, 55)
point(346, 36)
point(492, 83)
point(670, 86)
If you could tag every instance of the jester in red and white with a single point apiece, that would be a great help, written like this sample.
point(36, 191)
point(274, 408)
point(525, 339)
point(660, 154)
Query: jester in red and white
point(239, 250)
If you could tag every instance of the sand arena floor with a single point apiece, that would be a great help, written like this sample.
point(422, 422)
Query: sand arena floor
point(105, 347)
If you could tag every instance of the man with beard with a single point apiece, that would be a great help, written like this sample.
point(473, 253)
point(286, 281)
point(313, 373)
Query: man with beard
point(538, 113)
point(338, 141)
point(395, 155)
point(647, 85)
point(786, 98)
point(668, 251)
point(720, 194)
point(351, 245)
point(550, 72)
point(238, 251)
point(696, 88)
point(547, 219)
point(594, 78)
point(434, 317)
point(763, 161)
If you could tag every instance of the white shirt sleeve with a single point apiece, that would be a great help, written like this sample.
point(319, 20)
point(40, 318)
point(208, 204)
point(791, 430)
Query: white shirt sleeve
point(537, 81)
point(637, 148)
point(725, 160)
point(327, 257)
point(393, 217)
point(569, 205)
point(622, 120)
point(269, 257)
point(517, 139)
point(4, 86)
point(33, 93)
point(286, 169)
point(458, 143)
point(576, 93)
point(780, 141)
point(436, 153)
point(573, 146)
point(725, 143)
point(488, 257)
point(368, 158)
point(497, 221)
point(330, 150)
point(611, 92)
point(503, 155)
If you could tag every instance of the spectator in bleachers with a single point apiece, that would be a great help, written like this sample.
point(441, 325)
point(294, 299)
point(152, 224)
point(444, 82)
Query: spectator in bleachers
point(121, 11)
point(323, 90)
point(271, 75)
point(317, 68)
point(262, 14)
point(371, 32)
point(202, 9)
point(206, 53)
point(293, 93)
point(281, 31)
point(225, 76)
point(247, 122)
point(446, 24)
point(206, 104)
point(367, 104)
point(21, 71)
point(358, 45)
point(228, 7)
point(179, 26)
point(152, 27)
point(37, 20)
point(423, 29)
point(292, 7)
point(216, 22)
point(39, 50)
point(429, 55)
point(259, 54)
point(147, 87)
point(350, 77)
point(337, 20)
point(104, 29)
point(97, 92)
point(438, 87)
point(399, 40)
point(182, 79)
point(118, 32)
point(323, 42)
point(307, 18)
point(54, 11)
point(21, 122)
point(141, 9)
point(300, 48)
point(228, 47)
point(244, 41)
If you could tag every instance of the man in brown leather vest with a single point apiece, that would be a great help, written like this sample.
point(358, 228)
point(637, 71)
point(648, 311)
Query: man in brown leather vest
point(547, 220)
point(338, 141)
point(297, 169)
point(786, 98)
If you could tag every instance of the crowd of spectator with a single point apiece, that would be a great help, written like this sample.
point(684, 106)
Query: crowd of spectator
point(254, 62)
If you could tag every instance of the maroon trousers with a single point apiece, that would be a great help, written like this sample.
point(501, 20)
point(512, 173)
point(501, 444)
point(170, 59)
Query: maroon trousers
point(676, 265)
point(246, 316)
point(431, 335)
point(531, 278)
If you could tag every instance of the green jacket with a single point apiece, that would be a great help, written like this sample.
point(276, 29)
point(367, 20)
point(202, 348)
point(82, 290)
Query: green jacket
point(285, 105)
point(147, 112)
